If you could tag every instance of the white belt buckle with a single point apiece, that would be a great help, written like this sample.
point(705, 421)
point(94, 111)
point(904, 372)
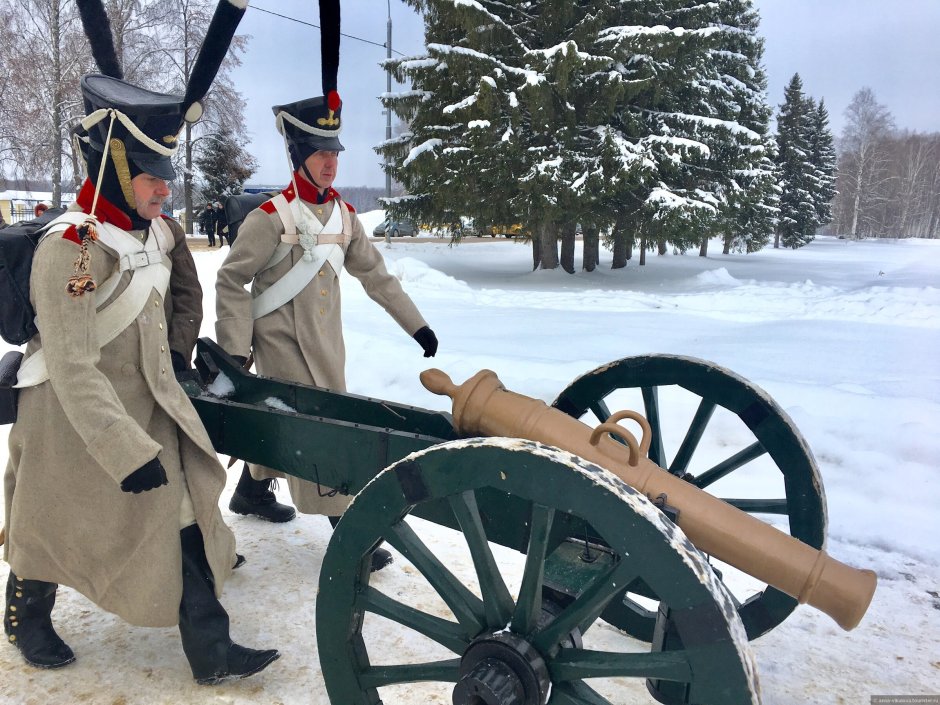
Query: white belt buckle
point(136, 260)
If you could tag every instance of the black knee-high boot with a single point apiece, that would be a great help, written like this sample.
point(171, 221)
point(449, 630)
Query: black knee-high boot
point(204, 623)
point(27, 623)
point(380, 557)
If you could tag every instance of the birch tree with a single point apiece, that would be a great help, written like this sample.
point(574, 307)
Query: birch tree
point(863, 167)
point(45, 56)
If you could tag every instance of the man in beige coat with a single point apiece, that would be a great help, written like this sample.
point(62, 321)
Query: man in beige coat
point(112, 485)
point(292, 251)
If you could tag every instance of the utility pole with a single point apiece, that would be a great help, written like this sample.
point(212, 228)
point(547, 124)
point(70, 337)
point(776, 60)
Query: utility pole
point(388, 89)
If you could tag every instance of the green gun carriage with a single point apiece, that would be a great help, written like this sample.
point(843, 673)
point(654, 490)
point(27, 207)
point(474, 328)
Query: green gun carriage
point(589, 547)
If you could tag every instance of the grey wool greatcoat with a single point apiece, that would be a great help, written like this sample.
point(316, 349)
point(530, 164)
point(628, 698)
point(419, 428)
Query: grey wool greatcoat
point(301, 341)
point(103, 413)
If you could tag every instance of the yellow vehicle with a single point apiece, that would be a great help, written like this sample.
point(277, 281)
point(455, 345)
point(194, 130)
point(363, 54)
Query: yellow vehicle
point(515, 230)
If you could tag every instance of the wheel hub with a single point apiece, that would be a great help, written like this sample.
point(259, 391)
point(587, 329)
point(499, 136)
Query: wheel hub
point(501, 669)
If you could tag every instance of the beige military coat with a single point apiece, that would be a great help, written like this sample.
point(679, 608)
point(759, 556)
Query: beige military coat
point(302, 341)
point(103, 413)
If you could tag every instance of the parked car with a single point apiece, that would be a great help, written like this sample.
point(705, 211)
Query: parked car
point(396, 228)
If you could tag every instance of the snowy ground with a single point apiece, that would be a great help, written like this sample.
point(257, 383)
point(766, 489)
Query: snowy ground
point(843, 335)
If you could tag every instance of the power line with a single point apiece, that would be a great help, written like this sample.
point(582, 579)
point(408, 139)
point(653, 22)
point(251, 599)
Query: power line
point(310, 24)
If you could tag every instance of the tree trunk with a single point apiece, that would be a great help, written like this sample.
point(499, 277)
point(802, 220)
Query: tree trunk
point(631, 241)
point(703, 248)
point(623, 244)
point(726, 250)
point(856, 206)
point(620, 251)
point(547, 236)
point(188, 181)
point(777, 240)
point(568, 234)
point(536, 251)
point(643, 250)
point(661, 247)
point(56, 40)
point(590, 257)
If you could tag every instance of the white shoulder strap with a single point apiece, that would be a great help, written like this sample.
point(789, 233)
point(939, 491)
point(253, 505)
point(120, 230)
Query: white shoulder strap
point(151, 272)
point(305, 269)
point(284, 211)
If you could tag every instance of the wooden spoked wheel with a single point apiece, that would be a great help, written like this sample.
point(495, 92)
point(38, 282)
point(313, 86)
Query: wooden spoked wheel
point(694, 403)
point(480, 630)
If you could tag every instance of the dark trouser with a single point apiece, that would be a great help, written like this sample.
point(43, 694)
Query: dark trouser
point(204, 623)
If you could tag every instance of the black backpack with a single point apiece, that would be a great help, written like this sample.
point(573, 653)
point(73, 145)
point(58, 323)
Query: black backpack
point(17, 245)
point(239, 206)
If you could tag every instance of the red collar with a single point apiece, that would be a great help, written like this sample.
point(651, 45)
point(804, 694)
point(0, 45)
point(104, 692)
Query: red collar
point(105, 211)
point(308, 192)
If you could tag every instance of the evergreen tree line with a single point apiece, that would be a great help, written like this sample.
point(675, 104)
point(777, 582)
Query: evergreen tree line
point(806, 167)
point(43, 56)
point(888, 179)
point(644, 122)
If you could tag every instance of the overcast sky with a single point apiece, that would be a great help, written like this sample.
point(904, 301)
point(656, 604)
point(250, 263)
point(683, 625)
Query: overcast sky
point(837, 47)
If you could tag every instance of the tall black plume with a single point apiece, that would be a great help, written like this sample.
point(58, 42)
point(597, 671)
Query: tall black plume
point(329, 43)
point(228, 13)
point(98, 30)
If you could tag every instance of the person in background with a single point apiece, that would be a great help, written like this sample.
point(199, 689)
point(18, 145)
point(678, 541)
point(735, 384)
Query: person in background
point(207, 223)
point(39, 209)
point(292, 323)
point(112, 485)
point(220, 223)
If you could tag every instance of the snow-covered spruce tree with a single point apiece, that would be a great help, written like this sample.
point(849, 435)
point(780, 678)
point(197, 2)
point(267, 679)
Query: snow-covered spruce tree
point(694, 108)
point(824, 160)
point(225, 166)
point(797, 223)
point(748, 216)
point(506, 116)
point(457, 113)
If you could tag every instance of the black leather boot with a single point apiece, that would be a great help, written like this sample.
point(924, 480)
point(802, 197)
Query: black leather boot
point(204, 623)
point(380, 557)
point(27, 623)
point(254, 498)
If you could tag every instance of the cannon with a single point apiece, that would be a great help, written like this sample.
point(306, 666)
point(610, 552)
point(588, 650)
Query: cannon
point(566, 525)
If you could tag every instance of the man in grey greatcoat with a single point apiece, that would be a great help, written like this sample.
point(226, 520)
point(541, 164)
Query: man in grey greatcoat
point(112, 485)
point(292, 251)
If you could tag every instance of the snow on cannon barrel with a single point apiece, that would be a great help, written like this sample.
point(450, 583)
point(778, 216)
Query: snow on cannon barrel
point(483, 406)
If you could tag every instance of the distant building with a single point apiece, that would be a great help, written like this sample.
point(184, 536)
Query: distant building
point(17, 205)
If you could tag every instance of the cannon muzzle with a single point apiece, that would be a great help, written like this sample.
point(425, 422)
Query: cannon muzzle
point(482, 406)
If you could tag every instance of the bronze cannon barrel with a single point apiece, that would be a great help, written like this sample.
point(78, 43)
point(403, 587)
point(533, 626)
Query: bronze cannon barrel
point(482, 406)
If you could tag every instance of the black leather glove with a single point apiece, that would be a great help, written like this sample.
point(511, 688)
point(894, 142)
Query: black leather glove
point(147, 477)
point(427, 340)
point(180, 363)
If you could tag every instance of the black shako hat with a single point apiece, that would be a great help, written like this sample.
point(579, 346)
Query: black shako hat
point(145, 127)
point(314, 124)
point(137, 127)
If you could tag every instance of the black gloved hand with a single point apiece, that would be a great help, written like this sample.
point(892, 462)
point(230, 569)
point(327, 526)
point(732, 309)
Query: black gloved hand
point(427, 340)
point(181, 368)
point(147, 477)
point(180, 363)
